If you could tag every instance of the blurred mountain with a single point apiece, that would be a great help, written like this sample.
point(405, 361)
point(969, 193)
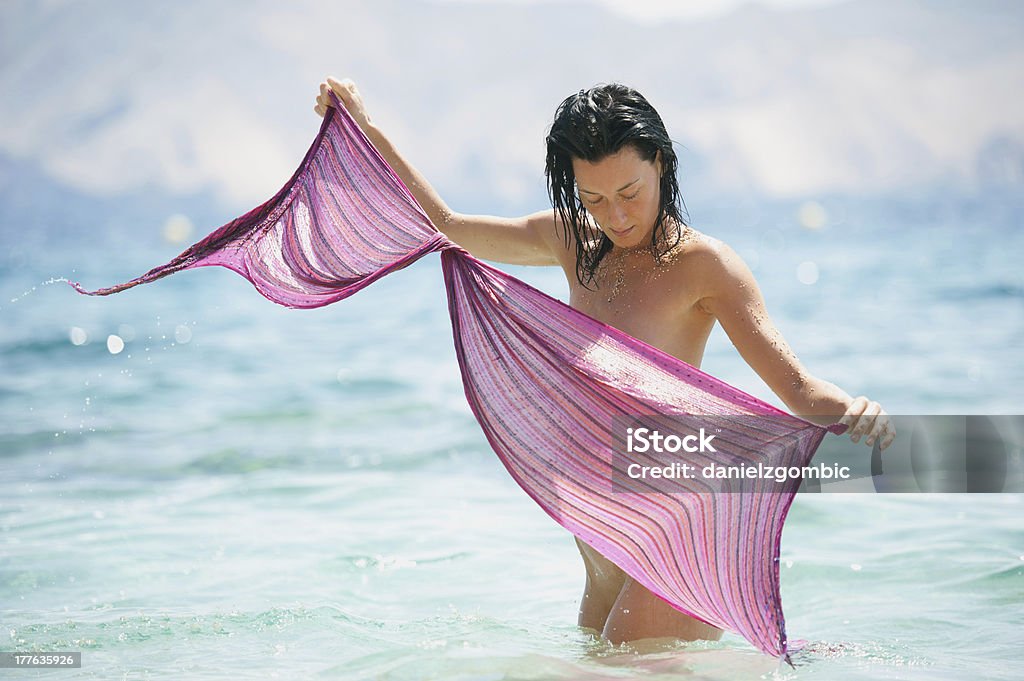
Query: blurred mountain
point(867, 97)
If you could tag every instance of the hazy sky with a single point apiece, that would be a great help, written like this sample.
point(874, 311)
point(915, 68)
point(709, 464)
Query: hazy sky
point(804, 98)
point(654, 10)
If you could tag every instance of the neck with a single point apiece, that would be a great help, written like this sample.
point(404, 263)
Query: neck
point(673, 235)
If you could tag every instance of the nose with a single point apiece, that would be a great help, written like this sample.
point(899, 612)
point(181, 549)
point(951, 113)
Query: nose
point(620, 220)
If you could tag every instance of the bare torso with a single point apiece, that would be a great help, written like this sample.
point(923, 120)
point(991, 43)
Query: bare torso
point(658, 304)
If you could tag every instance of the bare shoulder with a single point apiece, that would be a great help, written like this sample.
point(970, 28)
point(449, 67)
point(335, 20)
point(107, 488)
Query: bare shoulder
point(556, 235)
point(714, 260)
point(544, 224)
point(726, 283)
point(697, 255)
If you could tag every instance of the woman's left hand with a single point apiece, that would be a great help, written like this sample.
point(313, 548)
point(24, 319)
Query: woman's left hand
point(865, 417)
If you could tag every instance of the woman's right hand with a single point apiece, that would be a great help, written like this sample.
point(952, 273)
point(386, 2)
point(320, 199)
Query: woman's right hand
point(349, 96)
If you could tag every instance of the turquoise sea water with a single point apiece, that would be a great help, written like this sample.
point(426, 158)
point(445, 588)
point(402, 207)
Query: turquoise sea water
point(247, 491)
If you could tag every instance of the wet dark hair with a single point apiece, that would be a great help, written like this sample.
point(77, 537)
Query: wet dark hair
point(591, 125)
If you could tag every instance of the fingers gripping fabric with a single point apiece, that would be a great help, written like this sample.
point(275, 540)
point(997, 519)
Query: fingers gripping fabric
point(547, 383)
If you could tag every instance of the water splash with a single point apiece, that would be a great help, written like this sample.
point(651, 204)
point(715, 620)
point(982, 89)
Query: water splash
point(51, 280)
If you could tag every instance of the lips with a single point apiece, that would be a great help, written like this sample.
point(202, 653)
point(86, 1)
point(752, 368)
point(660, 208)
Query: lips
point(623, 232)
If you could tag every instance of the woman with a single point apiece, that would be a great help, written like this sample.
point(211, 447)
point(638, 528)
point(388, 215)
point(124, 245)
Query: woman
point(617, 232)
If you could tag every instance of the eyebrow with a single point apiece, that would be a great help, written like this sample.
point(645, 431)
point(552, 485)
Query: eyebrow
point(625, 186)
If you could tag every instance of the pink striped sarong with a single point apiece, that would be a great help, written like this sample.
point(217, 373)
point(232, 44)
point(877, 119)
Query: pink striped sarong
point(548, 385)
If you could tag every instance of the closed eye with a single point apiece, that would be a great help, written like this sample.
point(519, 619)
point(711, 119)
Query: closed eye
point(594, 202)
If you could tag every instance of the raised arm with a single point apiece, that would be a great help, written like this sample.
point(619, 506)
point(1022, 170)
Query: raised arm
point(733, 297)
point(526, 240)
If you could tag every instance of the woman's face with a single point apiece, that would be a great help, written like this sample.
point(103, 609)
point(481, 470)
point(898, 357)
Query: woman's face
point(622, 193)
